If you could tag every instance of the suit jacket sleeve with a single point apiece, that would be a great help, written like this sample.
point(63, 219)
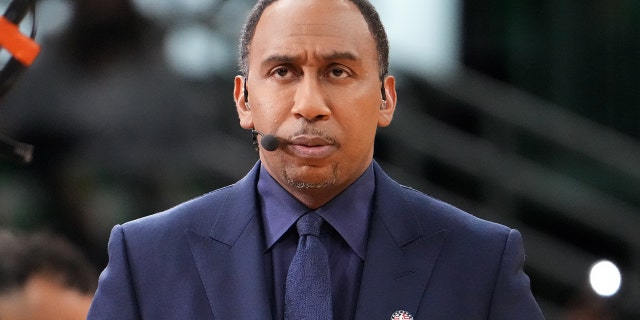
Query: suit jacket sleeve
point(115, 297)
point(512, 298)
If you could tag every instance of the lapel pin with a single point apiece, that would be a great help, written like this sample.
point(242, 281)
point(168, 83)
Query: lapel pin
point(401, 315)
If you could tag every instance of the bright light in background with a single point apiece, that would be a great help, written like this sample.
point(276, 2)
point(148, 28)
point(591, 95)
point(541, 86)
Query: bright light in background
point(196, 51)
point(605, 278)
point(4, 57)
point(53, 16)
point(424, 35)
point(164, 9)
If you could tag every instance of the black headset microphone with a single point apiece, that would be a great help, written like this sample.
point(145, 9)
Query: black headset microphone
point(268, 142)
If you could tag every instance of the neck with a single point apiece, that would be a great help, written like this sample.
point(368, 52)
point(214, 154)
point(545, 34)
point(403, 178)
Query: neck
point(316, 197)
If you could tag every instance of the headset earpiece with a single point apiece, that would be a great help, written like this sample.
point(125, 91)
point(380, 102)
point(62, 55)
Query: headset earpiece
point(246, 93)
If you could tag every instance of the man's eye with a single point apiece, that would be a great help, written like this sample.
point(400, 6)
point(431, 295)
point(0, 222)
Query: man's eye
point(338, 73)
point(282, 72)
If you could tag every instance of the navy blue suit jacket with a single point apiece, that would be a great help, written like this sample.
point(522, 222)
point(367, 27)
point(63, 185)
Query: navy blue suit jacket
point(204, 259)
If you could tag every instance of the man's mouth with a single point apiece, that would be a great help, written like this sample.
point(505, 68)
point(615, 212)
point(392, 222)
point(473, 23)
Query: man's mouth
point(311, 146)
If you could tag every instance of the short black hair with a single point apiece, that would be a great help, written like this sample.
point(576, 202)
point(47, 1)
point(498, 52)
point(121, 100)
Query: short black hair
point(367, 10)
point(24, 255)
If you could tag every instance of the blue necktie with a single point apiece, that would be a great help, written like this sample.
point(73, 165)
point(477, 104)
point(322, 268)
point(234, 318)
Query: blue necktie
point(308, 285)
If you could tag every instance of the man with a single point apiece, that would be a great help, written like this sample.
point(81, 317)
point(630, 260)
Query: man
point(43, 277)
point(314, 84)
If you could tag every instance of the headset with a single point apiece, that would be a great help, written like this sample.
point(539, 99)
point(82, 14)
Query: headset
point(23, 50)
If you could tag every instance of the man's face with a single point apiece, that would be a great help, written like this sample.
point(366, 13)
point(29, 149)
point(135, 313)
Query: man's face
point(314, 82)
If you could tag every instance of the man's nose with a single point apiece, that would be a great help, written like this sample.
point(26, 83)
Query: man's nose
point(310, 101)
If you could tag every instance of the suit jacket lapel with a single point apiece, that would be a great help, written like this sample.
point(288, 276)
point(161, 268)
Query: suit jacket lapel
point(230, 259)
point(401, 254)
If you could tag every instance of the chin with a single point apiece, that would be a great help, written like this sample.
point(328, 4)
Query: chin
point(303, 179)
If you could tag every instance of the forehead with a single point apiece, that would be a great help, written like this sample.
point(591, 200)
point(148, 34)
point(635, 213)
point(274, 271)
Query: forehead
point(316, 25)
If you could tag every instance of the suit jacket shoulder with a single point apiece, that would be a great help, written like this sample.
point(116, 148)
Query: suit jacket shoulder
point(439, 262)
point(429, 215)
point(188, 262)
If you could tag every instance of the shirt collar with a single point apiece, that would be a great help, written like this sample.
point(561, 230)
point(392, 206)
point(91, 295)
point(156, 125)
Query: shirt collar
point(348, 213)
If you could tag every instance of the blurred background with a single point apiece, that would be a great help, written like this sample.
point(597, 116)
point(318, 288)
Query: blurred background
point(522, 112)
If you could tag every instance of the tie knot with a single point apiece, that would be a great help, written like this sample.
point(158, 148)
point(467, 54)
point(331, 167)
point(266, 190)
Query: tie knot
point(309, 224)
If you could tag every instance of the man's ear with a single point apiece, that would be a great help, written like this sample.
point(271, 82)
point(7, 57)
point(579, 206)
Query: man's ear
point(242, 104)
point(388, 106)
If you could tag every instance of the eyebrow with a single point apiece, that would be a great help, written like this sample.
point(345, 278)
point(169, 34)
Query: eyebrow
point(344, 55)
point(336, 55)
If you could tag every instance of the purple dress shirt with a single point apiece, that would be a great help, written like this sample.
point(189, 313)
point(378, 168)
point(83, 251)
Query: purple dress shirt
point(344, 235)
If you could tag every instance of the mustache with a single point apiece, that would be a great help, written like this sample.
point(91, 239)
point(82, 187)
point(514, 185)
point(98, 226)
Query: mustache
point(311, 130)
